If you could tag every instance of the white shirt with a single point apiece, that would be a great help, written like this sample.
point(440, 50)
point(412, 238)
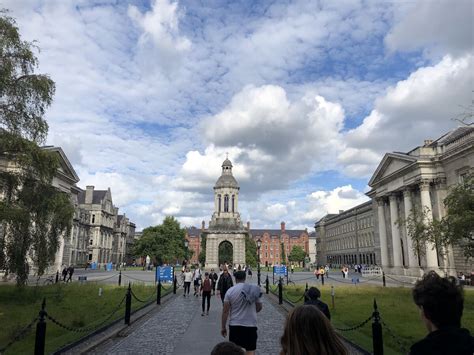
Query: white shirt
point(241, 313)
point(188, 276)
point(197, 274)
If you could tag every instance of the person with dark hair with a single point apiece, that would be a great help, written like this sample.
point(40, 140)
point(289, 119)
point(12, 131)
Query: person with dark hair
point(312, 298)
point(227, 348)
point(241, 305)
point(441, 303)
point(308, 331)
point(206, 288)
point(225, 282)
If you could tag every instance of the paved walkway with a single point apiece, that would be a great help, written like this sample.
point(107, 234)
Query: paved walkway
point(180, 329)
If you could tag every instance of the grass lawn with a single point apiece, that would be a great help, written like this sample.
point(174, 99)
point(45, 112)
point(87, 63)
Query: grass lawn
point(354, 304)
point(74, 305)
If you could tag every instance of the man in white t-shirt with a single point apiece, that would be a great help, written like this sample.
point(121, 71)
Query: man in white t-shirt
point(241, 305)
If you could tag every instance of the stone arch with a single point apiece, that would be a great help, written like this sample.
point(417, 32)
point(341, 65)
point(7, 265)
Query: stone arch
point(225, 252)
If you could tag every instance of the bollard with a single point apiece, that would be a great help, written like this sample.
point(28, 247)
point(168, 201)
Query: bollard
point(332, 297)
point(280, 292)
point(175, 283)
point(267, 285)
point(383, 278)
point(40, 339)
point(57, 276)
point(377, 339)
point(158, 292)
point(120, 278)
point(128, 304)
point(306, 288)
point(322, 279)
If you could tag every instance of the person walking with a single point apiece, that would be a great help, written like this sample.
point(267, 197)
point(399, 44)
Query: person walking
point(308, 331)
point(197, 281)
point(64, 273)
point(213, 277)
point(187, 278)
point(70, 271)
point(225, 282)
point(206, 288)
point(312, 298)
point(241, 305)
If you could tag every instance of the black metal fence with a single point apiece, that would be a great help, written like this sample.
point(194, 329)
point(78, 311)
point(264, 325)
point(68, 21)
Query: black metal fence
point(378, 324)
point(44, 316)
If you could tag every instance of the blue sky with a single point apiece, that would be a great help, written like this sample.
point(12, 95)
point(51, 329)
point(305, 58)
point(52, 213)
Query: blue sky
point(305, 96)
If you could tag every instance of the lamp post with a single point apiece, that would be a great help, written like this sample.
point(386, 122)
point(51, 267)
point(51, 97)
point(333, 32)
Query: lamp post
point(186, 244)
point(259, 244)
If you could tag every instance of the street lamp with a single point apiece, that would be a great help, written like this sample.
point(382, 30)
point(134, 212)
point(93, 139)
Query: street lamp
point(186, 244)
point(259, 244)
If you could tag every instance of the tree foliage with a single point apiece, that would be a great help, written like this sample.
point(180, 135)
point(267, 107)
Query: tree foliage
point(250, 251)
point(163, 243)
point(297, 254)
point(33, 214)
point(282, 254)
point(456, 228)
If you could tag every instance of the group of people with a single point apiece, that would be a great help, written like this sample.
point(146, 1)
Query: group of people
point(308, 329)
point(67, 273)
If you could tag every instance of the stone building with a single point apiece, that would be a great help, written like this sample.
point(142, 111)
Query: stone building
point(193, 236)
point(272, 239)
point(347, 237)
point(123, 240)
point(420, 178)
point(225, 225)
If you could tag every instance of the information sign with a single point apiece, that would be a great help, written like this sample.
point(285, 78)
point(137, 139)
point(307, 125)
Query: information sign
point(164, 273)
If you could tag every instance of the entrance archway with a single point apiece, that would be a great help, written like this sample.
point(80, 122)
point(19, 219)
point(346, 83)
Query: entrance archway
point(226, 253)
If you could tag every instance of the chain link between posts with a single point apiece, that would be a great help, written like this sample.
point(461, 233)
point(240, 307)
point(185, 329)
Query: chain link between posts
point(356, 326)
point(143, 301)
point(20, 335)
point(88, 329)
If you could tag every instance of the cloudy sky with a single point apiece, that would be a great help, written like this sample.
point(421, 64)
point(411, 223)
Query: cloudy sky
point(305, 96)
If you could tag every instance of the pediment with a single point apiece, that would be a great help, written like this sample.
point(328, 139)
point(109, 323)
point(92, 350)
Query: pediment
point(65, 167)
point(390, 165)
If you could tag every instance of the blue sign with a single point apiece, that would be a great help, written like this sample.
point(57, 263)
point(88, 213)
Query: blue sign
point(94, 266)
point(164, 273)
point(109, 266)
point(280, 270)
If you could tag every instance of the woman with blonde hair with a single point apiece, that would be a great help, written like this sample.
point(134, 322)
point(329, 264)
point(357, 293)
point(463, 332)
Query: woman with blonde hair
point(309, 332)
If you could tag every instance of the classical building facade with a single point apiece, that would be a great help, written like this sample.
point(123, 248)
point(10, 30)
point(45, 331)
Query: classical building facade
point(273, 240)
point(225, 225)
point(347, 237)
point(420, 178)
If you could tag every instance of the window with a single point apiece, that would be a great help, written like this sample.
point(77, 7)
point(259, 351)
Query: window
point(93, 218)
point(219, 203)
point(226, 203)
point(90, 242)
point(233, 203)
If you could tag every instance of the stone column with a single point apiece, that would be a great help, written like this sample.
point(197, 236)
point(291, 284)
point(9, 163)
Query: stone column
point(412, 258)
point(382, 232)
point(431, 256)
point(396, 244)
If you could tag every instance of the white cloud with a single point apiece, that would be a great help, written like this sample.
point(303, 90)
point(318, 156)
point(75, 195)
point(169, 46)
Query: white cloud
point(436, 27)
point(418, 108)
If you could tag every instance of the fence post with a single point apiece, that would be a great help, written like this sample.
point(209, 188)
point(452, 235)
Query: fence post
point(40, 339)
point(306, 288)
point(377, 338)
point(383, 278)
point(280, 292)
point(267, 285)
point(57, 276)
point(128, 304)
point(175, 283)
point(158, 292)
point(120, 278)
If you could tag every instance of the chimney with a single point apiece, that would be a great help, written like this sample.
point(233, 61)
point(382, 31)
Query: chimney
point(203, 225)
point(428, 142)
point(282, 226)
point(89, 194)
point(248, 225)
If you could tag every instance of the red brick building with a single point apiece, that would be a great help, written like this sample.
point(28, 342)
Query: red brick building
point(270, 251)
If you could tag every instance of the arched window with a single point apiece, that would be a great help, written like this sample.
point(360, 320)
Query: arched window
point(219, 203)
point(233, 203)
point(226, 203)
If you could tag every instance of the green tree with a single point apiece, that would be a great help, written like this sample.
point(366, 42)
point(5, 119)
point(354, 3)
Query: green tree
point(250, 251)
point(163, 243)
point(282, 254)
point(202, 254)
point(456, 228)
point(297, 254)
point(33, 214)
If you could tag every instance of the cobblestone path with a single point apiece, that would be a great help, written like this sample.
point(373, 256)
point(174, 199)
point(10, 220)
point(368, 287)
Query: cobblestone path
point(180, 329)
